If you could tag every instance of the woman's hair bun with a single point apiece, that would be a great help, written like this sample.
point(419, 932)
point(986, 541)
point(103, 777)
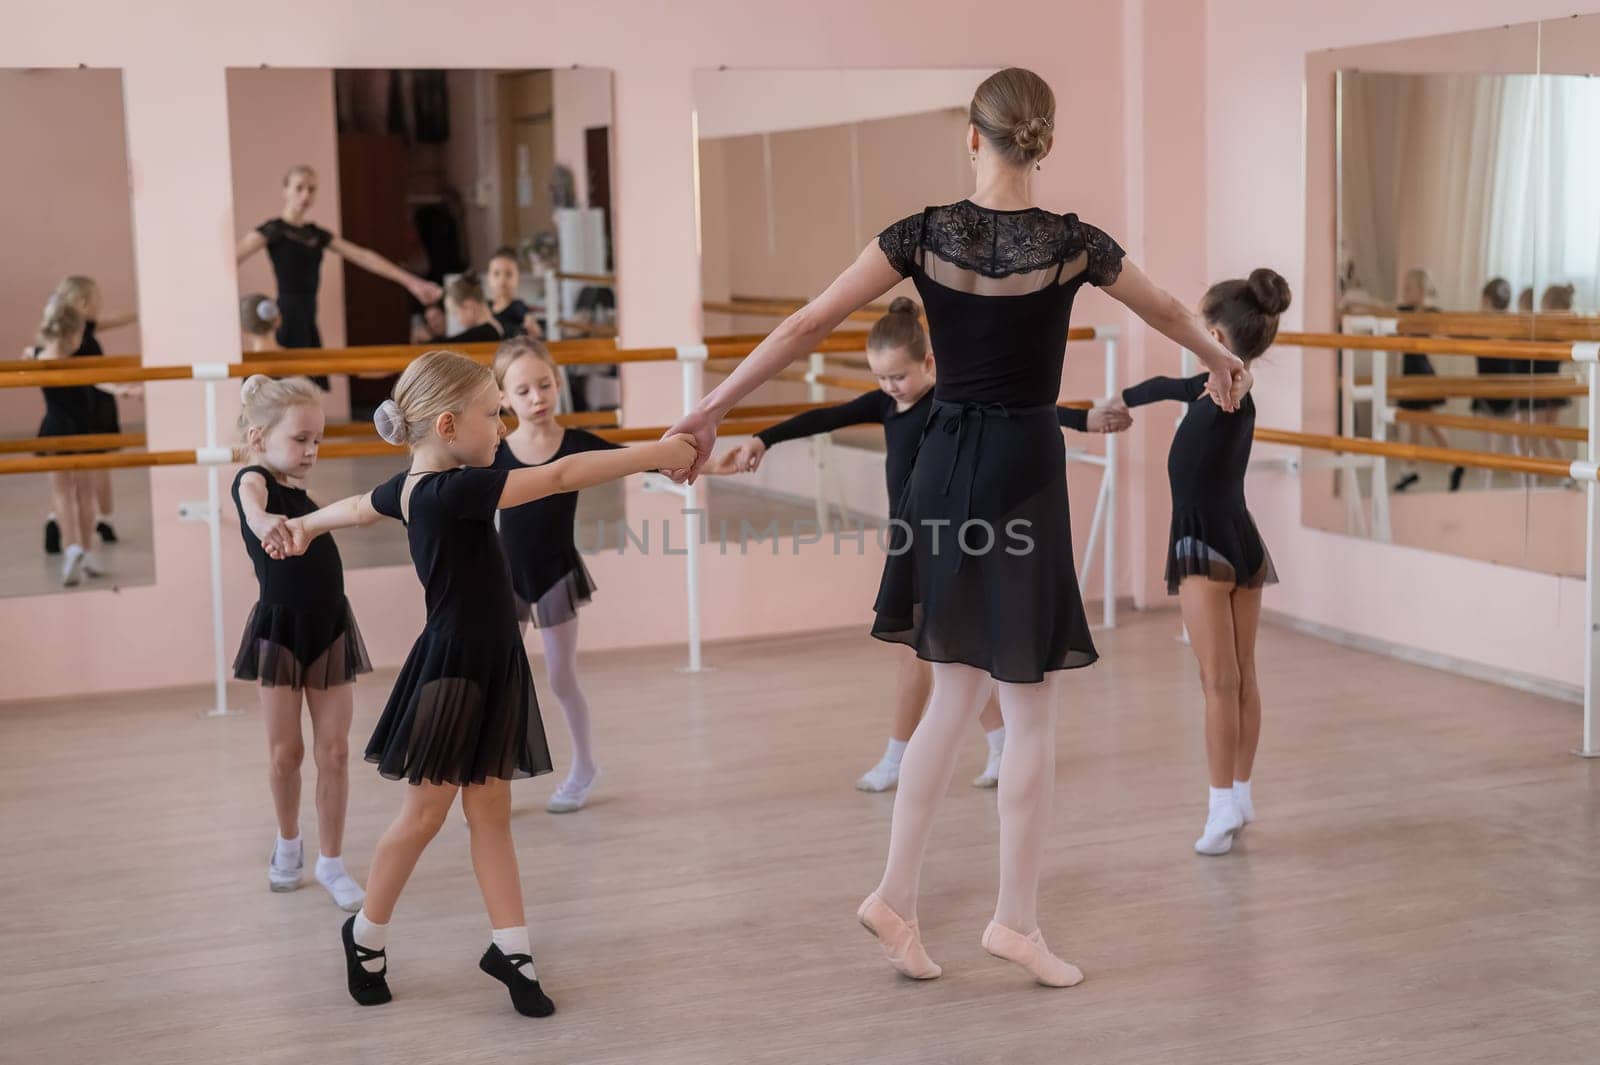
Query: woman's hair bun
point(902, 305)
point(1269, 290)
point(1031, 134)
point(390, 421)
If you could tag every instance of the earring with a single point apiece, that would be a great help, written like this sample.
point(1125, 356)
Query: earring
point(1038, 166)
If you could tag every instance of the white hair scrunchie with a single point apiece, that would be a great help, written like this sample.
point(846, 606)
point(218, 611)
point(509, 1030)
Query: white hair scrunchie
point(390, 421)
point(266, 310)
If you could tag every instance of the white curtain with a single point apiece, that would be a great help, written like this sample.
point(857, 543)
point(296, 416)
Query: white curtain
point(1567, 248)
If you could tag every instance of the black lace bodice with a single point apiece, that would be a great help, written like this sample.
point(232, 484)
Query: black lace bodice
point(998, 287)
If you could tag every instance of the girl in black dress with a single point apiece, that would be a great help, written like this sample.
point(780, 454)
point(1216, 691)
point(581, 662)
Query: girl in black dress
point(987, 591)
point(898, 356)
point(1555, 299)
point(463, 715)
point(83, 294)
point(463, 301)
point(301, 637)
point(505, 274)
point(547, 572)
point(295, 244)
point(1216, 562)
point(69, 411)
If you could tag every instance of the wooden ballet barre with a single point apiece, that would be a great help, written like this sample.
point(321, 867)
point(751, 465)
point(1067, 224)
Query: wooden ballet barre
point(592, 279)
point(81, 441)
point(558, 349)
point(79, 362)
point(1530, 350)
point(1499, 326)
point(1504, 426)
point(1486, 386)
point(1447, 456)
point(594, 329)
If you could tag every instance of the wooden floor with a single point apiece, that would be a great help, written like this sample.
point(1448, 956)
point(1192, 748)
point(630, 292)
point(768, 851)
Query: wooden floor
point(1423, 885)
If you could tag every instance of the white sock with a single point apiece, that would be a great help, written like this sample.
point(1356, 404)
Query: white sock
point(329, 868)
point(1241, 790)
point(515, 941)
point(1221, 799)
point(373, 937)
point(894, 752)
point(287, 854)
point(997, 739)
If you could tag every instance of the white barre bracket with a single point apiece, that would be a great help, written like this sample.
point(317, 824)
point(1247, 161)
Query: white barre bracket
point(1586, 351)
point(211, 371)
point(693, 352)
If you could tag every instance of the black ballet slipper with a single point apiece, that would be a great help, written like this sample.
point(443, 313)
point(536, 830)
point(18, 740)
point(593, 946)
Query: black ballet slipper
point(526, 995)
point(1455, 478)
point(107, 534)
point(367, 988)
point(52, 537)
point(1407, 481)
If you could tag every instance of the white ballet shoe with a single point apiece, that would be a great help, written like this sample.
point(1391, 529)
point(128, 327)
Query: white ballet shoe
point(990, 777)
point(283, 877)
point(571, 797)
point(1220, 828)
point(72, 567)
point(882, 777)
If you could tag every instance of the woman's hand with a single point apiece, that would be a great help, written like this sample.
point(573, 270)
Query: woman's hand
point(1227, 389)
point(1110, 415)
point(424, 291)
point(701, 428)
point(723, 465)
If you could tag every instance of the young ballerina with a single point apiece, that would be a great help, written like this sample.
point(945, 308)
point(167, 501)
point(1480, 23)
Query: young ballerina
point(898, 356)
point(69, 411)
point(463, 715)
point(259, 319)
point(547, 571)
point(295, 244)
point(463, 299)
point(83, 295)
point(1216, 561)
point(504, 275)
point(301, 638)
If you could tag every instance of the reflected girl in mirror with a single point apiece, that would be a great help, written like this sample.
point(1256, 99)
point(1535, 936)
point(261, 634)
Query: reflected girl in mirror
point(1417, 296)
point(82, 294)
point(295, 244)
point(1556, 299)
point(259, 321)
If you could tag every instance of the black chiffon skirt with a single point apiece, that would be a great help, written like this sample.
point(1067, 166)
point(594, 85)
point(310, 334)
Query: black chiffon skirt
point(1413, 365)
point(462, 711)
point(298, 328)
point(288, 647)
point(549, 602)
point(1219, 545)
point(980, 568)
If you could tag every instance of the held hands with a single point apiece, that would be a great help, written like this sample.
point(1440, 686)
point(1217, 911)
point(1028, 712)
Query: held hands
point(287, 539)
point(701, 429)
point(679, 451)
point(1227, 386)
point(1110, 415)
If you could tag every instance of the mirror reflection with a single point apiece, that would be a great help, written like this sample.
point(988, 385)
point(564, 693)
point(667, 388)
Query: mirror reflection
point(1467, 211)
point(429, 207)
point(72, 296)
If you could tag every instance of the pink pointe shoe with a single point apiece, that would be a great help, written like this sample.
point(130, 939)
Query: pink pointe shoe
point(901, 941)
point(1031, 953)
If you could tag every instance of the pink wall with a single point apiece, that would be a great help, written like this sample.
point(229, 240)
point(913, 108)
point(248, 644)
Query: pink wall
point(1256, 212)
point(178, 136)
